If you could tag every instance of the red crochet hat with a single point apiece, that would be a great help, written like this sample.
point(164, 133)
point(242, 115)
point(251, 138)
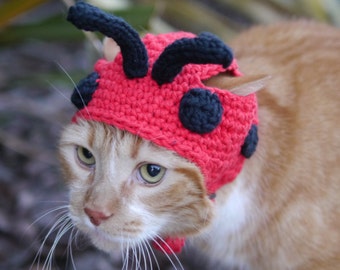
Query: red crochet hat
point(154, 89)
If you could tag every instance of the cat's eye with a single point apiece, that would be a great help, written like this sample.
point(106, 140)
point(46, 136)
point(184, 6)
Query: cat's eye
point(85, 156)
point(151, 173)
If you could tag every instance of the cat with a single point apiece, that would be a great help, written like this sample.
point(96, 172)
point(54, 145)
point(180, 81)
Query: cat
point(283, 209)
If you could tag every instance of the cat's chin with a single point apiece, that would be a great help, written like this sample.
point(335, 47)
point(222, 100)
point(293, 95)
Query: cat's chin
point(106, 242)
point(110, 243)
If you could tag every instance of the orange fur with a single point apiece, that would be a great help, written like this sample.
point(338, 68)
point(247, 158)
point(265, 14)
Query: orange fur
point(293, 220)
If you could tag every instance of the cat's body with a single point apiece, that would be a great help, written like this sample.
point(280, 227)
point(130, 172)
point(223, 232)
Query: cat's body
point(282, 211)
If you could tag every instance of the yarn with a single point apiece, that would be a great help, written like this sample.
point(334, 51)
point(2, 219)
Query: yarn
point(169, 245)
point(204, 49)
point(200, 110)
point(155, 90)
point(250, 143)
point(84, 90)
point(90, 18)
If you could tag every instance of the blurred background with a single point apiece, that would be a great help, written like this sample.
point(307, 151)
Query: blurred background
point(40, 57)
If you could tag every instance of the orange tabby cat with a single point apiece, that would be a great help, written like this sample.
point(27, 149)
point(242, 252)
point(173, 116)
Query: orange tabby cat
point(282, 211)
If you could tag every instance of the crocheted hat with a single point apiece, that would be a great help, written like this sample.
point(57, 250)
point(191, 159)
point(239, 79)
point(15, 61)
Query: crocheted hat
point(154, 89)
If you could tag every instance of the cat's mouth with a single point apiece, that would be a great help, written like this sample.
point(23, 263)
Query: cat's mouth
point(108, 241)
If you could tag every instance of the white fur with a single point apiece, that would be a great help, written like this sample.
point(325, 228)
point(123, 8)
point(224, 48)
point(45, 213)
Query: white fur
point(223, 238)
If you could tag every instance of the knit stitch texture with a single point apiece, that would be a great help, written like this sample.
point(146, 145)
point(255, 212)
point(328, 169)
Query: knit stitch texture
point(151, 111)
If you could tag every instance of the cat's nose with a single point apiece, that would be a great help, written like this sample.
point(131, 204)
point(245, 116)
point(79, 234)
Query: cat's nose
point(96, 217)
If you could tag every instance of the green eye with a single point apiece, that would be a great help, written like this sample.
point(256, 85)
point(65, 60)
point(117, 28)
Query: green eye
point(151, 173)
point(85, 156)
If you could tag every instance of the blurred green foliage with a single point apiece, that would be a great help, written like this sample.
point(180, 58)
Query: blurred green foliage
point(223, 17)
point(55, 27)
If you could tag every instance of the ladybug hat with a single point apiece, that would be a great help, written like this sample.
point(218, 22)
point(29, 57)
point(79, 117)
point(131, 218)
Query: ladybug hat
point(154, 89)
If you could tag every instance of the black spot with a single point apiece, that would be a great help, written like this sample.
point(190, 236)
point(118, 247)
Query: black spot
point(82, 93)
point(200, 110)
point(250, 143)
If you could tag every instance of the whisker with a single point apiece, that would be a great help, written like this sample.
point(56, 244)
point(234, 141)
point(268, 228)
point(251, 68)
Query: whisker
point(135, 256)
point(59, 218)
point(141, 256)
point(75, 239)
point(126, 258)
point(58, 90)
point(48, 201)
point(122, 249)
point(65, 227)
point(75, 87)
point(48, 213)
point(153, 254)
point(147, 255)
point(167, 255)
point(136, 260)
point(66, 73)
point(63, 215)
point(69, 247)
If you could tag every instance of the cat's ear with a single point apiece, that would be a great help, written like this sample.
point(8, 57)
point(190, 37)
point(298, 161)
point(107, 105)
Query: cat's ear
point(241, 86)
point(110, 49)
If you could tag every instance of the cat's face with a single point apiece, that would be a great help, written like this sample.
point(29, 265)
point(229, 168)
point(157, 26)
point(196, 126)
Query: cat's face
point(125, 190)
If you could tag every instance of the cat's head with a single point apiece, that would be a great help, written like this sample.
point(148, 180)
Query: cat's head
point(153, 110)
point(125, 190)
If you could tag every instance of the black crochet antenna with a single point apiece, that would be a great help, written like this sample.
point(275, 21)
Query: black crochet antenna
point(90, 18)
point(206, 48)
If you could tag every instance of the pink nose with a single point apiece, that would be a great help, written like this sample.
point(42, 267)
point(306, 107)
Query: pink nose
point(96, 217)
